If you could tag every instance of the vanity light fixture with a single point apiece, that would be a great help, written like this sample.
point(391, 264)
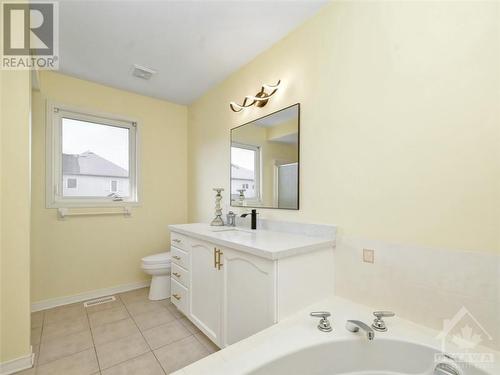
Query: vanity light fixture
point(260, 99)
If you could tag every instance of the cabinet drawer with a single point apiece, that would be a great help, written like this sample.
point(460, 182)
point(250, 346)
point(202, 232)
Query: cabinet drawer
point(180, 275)
point(180, 257)
point(179, 296)
point(178, 240)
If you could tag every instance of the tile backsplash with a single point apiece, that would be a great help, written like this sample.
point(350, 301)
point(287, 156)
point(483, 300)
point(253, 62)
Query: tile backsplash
point(423, 285)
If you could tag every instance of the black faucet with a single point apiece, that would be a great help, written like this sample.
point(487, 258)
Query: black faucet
point(254, 218)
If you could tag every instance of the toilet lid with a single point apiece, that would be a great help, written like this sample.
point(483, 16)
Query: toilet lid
point(157, 258)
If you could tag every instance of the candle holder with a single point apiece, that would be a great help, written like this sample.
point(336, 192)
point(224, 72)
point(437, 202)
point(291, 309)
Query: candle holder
point(241, 197)
point(217, 221)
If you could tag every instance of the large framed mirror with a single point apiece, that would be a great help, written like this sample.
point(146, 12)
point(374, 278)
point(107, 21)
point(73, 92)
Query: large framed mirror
point(265, 161)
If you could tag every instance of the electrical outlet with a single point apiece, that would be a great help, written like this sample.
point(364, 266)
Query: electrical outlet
point(368, 255)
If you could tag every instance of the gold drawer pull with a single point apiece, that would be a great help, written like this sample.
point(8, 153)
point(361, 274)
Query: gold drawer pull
point(217, 254)
point(176, 240)
point(176, 274)
point(219, 264)
point(177, 297)
point(176, 257)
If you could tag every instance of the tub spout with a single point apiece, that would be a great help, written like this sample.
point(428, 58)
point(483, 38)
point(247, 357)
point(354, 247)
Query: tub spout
point(356, 325)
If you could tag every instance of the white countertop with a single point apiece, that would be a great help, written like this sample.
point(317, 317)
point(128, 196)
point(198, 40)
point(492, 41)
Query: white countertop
point(299, 331)
point(260, 242)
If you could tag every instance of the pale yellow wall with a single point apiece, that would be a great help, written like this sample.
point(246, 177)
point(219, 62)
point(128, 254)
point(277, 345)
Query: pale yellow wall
point(286, 128)
point(400, 122)
point(83, 254)
point(15, 215)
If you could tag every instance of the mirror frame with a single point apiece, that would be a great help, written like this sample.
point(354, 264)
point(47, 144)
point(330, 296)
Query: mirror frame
point(298, 159)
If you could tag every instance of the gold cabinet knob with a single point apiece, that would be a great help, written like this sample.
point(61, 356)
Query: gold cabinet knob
point(176, 296)
point(176, 257)
point(176, 274)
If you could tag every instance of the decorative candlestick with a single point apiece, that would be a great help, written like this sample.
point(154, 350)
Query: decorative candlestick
point(241, 197)
point(217, 221)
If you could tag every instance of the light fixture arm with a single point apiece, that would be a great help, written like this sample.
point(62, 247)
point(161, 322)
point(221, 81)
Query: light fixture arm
point(260, 99)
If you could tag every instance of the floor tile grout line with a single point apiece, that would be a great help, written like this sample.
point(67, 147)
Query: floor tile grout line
point(66, 356)
point(57, 337)
point(35, 365)
point(80, 351)
point(69, 355)
point(119, 320)
point(93, 341)
point(176, 317)
point(129, 359)
point(56, 359)
point(147, 343)
point(203, 344)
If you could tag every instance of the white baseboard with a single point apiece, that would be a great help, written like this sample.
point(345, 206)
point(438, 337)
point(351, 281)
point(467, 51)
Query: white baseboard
point(18, 364)
point(60, 301)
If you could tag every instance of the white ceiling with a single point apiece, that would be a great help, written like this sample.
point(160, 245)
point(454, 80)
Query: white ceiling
point(193, 45)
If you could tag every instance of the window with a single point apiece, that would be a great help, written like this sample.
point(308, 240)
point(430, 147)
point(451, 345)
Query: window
point(92, 157)
point(71, 183)
point(245, 171)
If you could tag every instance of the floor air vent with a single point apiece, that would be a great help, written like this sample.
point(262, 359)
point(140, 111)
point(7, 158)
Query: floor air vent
point(99, 301)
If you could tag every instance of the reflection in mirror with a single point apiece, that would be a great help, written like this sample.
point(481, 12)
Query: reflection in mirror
point(265, 161)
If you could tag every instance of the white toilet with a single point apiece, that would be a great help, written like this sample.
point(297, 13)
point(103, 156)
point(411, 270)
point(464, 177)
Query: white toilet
point(158, 266)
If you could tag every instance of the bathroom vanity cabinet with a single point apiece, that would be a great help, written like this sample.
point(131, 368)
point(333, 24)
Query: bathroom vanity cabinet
point(234, 283)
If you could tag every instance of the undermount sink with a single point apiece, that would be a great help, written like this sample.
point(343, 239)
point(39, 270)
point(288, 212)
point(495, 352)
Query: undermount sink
point(229, 229)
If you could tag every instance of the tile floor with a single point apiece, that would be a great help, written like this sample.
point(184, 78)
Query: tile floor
point(130, 336)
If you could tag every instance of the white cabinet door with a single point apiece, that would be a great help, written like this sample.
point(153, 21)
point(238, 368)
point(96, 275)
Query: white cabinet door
point(205, 290)
point(248, 295)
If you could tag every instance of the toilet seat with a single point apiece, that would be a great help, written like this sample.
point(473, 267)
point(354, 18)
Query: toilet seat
point(157, 260)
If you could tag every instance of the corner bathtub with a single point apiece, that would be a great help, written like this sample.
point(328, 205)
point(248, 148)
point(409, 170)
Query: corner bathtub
point(361, 357)
point(295, 346)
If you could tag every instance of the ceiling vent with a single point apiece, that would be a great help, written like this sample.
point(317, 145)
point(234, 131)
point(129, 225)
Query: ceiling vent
point(142, 72)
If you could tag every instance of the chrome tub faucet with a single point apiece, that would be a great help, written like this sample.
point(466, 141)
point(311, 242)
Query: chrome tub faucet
point(378, 322)
point(324, 324)
point(356, 325)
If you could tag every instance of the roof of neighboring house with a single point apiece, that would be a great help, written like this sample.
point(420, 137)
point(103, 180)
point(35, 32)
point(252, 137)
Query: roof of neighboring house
point(91, 164)
point(241, 173)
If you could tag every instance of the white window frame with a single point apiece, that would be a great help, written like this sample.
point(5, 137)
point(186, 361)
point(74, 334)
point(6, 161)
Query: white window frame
point(54, 180)
point(257, 168)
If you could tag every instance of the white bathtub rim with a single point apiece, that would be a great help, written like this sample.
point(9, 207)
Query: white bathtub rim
point(299, 332)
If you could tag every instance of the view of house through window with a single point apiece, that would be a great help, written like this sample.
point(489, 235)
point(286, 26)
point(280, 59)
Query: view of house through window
point(71, 183)
point(245, 171)
point(95, 159)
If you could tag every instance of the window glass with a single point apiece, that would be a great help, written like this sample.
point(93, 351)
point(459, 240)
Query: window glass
point(244, 171)
point(96, 155)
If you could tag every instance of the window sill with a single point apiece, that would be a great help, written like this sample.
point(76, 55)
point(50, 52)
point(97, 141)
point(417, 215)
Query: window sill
point(91, 204)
